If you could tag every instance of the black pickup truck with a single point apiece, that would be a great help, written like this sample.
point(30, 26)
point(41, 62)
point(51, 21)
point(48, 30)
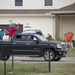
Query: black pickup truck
point(32, 44)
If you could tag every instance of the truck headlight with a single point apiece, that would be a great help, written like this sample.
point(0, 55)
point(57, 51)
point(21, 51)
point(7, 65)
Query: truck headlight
point(59, 46)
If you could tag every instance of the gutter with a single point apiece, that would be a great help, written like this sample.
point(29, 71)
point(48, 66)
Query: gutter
point(62, 12)
point(23, 15)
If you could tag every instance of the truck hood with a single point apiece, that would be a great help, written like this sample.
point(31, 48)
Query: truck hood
point(57, 42)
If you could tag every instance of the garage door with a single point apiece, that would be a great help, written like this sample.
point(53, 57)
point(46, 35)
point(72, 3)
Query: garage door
point(7, 27)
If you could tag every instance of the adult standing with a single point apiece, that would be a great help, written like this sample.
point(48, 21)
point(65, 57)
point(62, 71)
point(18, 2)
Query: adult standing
point(69, 37)
point(1, 34)
point(12, 30)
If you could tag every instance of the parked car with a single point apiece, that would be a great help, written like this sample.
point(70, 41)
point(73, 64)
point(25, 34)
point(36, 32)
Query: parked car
point(32, 44)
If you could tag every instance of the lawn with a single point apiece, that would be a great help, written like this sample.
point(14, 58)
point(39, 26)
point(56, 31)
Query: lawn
point(71, 52)
point(40, 69)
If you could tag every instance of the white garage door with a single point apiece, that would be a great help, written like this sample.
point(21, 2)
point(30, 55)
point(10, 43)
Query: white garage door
point(45, 24)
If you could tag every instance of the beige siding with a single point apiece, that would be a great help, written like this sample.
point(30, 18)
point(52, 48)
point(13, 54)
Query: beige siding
point(44, 23)
point(67, 25)
point(34, 4)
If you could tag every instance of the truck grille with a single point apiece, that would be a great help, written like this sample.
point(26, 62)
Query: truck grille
point(64, 47)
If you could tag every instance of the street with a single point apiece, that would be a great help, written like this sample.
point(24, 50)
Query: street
point(25, 59)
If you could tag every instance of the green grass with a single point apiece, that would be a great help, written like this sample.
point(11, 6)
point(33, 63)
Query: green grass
point(71, 52)
point(39, 69)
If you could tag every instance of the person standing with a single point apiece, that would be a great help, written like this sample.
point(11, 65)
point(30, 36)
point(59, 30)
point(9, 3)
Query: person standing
point(69, 37)
point(12, 30)
point(1, 34)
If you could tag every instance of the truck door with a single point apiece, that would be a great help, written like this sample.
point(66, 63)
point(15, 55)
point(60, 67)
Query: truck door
point(34, 46)
point(26, 45)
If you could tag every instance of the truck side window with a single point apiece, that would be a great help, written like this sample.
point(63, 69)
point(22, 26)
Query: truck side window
point(23, 37)
point(29, 37)
point(18, 36)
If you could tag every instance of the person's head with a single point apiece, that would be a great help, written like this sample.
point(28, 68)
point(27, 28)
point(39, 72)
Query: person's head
point(13, 25)
point(68, 32)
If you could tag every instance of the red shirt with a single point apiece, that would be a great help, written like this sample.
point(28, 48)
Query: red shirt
point(69, 37)
point(12, 31)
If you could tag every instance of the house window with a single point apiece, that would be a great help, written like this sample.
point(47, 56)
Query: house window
point(18, 2)
point(48, 2)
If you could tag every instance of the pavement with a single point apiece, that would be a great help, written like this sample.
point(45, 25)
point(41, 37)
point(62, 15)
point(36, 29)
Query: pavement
point(25, 59)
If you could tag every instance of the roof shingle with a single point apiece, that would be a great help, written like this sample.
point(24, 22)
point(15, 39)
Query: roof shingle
point(68, 8)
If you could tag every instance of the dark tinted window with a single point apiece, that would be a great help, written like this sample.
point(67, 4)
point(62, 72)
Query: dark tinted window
point(20, 37)
point(48, 2)
point(18, 2)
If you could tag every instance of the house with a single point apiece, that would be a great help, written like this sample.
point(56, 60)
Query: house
point(50, 16)
point(65, 21)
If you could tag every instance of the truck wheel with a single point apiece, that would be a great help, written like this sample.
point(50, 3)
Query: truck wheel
point(57, 59)
point(5, 57)
point(46, 55)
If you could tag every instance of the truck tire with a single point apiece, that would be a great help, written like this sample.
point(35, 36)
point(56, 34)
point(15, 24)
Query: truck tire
point(5, 58)
point(46, 55)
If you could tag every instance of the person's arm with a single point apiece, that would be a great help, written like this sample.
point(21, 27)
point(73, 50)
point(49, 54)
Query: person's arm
point(6, 32)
